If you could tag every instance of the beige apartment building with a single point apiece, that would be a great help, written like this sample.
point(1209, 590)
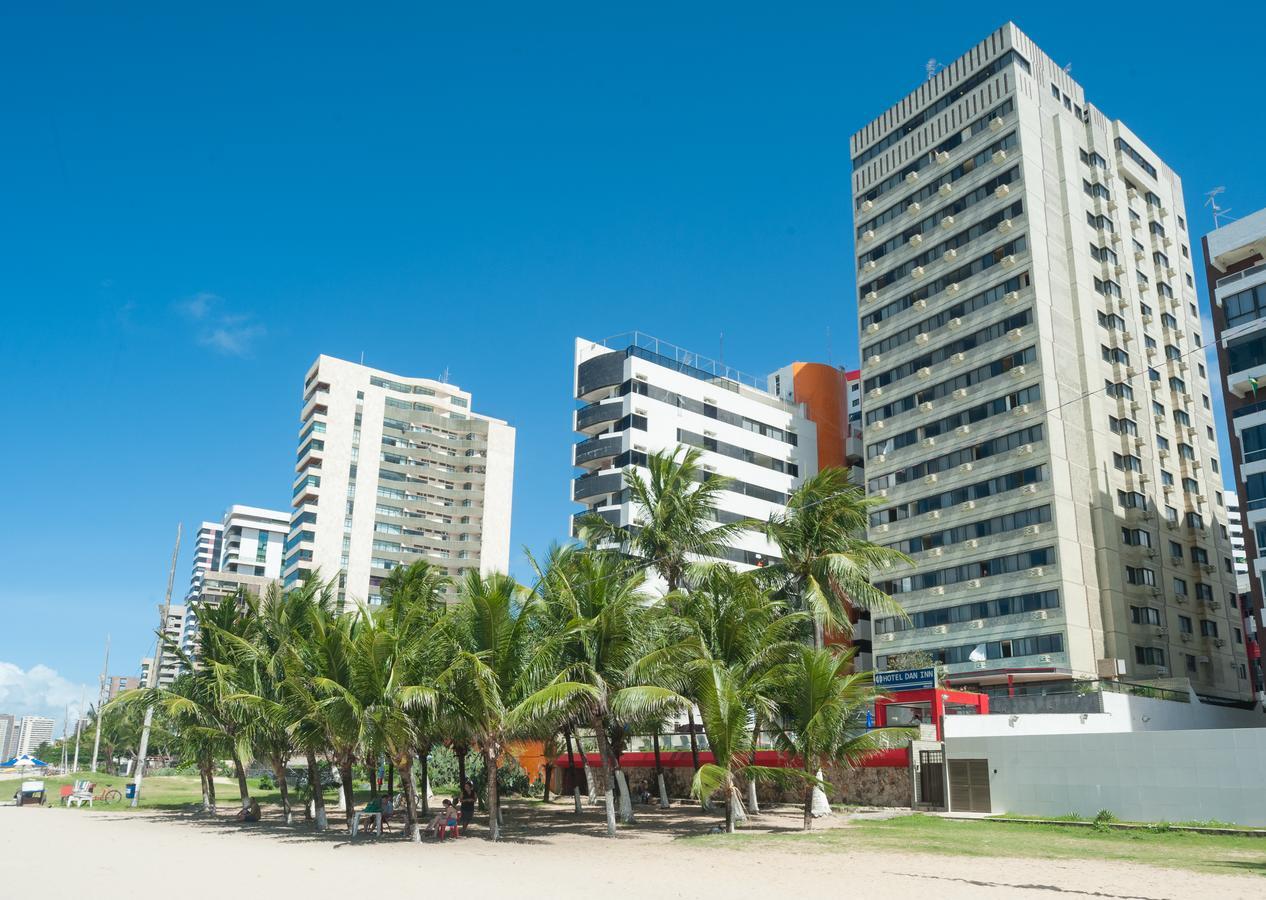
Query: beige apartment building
point(1036, 414)
point(392, 469)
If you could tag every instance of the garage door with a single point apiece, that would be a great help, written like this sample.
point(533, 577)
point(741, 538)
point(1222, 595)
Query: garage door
point(969, 785)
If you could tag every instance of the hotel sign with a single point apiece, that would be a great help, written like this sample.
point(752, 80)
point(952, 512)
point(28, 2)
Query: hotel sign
point(906, 679)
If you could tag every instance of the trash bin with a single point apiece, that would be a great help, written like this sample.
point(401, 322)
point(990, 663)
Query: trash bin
point(130, 790)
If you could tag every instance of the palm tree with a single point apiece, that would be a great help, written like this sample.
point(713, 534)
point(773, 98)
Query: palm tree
point(596, 623)
point(822, 715)
point(826, 561)
point(676, 520)
point(491, 627)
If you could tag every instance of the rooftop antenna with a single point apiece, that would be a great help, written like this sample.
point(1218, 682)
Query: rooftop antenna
point(721, 358)
point(444, 376)
point(1211, 201)
point(362, 357)
point(931, 67)
point(1068, 69)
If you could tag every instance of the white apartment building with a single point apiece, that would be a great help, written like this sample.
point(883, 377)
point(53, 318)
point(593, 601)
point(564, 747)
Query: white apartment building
point(392, 469)
point(206, 555)
point(8, 736)
point(252, 541)
point(1235, 528)
point(33, 731)
point(640, 395)
point(1035, 406)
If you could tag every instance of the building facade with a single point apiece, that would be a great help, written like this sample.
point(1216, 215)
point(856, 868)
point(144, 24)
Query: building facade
point(640, 395)
point(393, 469)
point(206, 555)
point(8, 736)
point(118, 684)
point(1035, 409)
point(252, 540)
point(32, 732)
point(1235, 270)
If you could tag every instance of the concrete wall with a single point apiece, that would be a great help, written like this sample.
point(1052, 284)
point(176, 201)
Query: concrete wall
point(1153, 776)
point(1121, 713)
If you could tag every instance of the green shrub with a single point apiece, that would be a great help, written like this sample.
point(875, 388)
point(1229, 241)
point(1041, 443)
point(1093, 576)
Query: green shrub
point(1104, 818)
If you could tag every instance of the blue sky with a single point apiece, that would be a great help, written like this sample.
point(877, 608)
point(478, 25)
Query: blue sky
point(193, 204)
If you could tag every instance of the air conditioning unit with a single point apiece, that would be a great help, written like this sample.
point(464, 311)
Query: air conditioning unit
point(1186, 638)
point(1162, 670)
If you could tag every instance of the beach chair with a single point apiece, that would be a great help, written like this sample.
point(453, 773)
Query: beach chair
point(81, 794)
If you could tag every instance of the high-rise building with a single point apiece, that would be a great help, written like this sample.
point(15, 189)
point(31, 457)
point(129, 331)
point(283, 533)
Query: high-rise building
point(1235, 528)
point(640, 395)
point(118, 684)
point(252, 541)
point(206, 555)
point(1035, 406)
point(32, 732)
point(433, 482)
point(8, 736)
point(1235, 270)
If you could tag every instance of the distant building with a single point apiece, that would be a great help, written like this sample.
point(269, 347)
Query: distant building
point(8, 736)
point(118, 684)
point(206, 555)
point(34, 731)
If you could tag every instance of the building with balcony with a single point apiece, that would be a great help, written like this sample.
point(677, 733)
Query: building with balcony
point(640, 395)
point(206, 555)
point(9, 728)
point(32, 732)
point(118, 684)
point(1235, 270)
point(392, 469)
point(1036, 412)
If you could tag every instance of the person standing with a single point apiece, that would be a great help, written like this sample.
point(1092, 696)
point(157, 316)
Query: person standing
point(468, 798)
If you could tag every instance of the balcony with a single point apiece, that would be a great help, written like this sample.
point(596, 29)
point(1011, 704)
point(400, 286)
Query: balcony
point(593, 417)
point(598, 452)
point(596, 485)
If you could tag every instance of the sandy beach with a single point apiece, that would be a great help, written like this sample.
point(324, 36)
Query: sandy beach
point(65, 854)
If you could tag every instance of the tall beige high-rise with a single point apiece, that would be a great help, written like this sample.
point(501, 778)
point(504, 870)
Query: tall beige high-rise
point(1036, 411)
point(392, 469)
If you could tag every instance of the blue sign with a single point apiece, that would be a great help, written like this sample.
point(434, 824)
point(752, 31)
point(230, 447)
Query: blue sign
point(906, 679)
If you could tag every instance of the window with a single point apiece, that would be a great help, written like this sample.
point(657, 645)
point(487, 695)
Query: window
point(1094, 159)
point(1127, 462)
point(1136, 537)
point(1175, 550)
point(1182, 419)
point(1095, 189)
point(261, 548)
point(1180, 587)
point(1153, 374)
point(1167, 477)
point(1199, 555)
point(1145, 615)
point(1177, 385)
point(1245, 306)
point(1190, 486)
point(1239, 637)
point(1194, 520)
point(1149, 656)
point(1162, 442)
point(1200, 369)
point(1107, 287)
point(1157, 408)
point(1160, 259)
point(1103, 254)
point(1100, 223)
point(1140, 575)
point(1184, 624)
point(1149, 342)
point(1111, 321)
point(1119, 389)
point(1191, 662)
point(1186, 451)
point(1124, 426)
point(1204, 592)
point(1204, 401)
point(1132, 499)
point(1171, 514)
point(1172, 352)
point(1115, 355)
point(1208, 628)
point(1168, 321)
point(1164, 289)
point(1156, 228)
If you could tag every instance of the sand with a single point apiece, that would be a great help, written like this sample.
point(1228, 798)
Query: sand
point(68, 853)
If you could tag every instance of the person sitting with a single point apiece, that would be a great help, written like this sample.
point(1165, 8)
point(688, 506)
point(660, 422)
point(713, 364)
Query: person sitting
point(249, 812)
point(440, 819)
point(450, 822)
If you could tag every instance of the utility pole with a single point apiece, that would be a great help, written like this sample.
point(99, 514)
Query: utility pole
point(153, 674)
point(101, 690)
point(79, 723)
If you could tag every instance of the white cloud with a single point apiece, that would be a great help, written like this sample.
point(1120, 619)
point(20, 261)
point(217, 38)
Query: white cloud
point(40, 691)
point(233, 334)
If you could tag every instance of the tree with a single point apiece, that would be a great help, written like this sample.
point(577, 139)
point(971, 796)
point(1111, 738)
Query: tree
point(595, 624)
point(491, 627)
point(826, 562)
point(822, 707)
point(676, 516)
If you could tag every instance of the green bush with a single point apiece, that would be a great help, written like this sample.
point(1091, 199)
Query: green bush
point(1104, 818)
point(511, 779)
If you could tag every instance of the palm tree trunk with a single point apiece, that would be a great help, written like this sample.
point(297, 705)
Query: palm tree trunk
point(211, 784)
point(410, 797)
point(242, 786)
point(694, 742)
point(549, 773)
point(318, 795)
point(391, 779)
point(808, 804)
point(729, 803)
point(279, 771)
point(571, 767)
point(461, 765)
point(490, 768)
point(591, 783)
point(208, 801)
point(753, 804)
point(659, 771)
point(349, 800)
point(423, 764)
point(608, 776)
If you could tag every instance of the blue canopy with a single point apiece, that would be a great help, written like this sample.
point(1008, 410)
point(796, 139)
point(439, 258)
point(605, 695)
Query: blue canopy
point(25, 759)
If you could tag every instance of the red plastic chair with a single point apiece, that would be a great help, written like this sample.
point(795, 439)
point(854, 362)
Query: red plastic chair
point(454, 830)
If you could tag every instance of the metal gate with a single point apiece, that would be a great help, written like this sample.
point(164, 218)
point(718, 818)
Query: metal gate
point(932, 778)
point(969, 785)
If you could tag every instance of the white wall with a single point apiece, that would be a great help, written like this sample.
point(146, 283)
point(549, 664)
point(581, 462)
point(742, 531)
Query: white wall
point(1153, 776)
point(1121, 713)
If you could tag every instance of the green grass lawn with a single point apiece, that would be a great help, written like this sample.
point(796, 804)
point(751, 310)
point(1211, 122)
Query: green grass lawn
point(954, 837)
point(170, 791)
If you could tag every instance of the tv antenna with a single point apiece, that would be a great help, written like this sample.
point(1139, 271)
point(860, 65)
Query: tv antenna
point(1211, 201)
point(1068, 69)
point(931, 67)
